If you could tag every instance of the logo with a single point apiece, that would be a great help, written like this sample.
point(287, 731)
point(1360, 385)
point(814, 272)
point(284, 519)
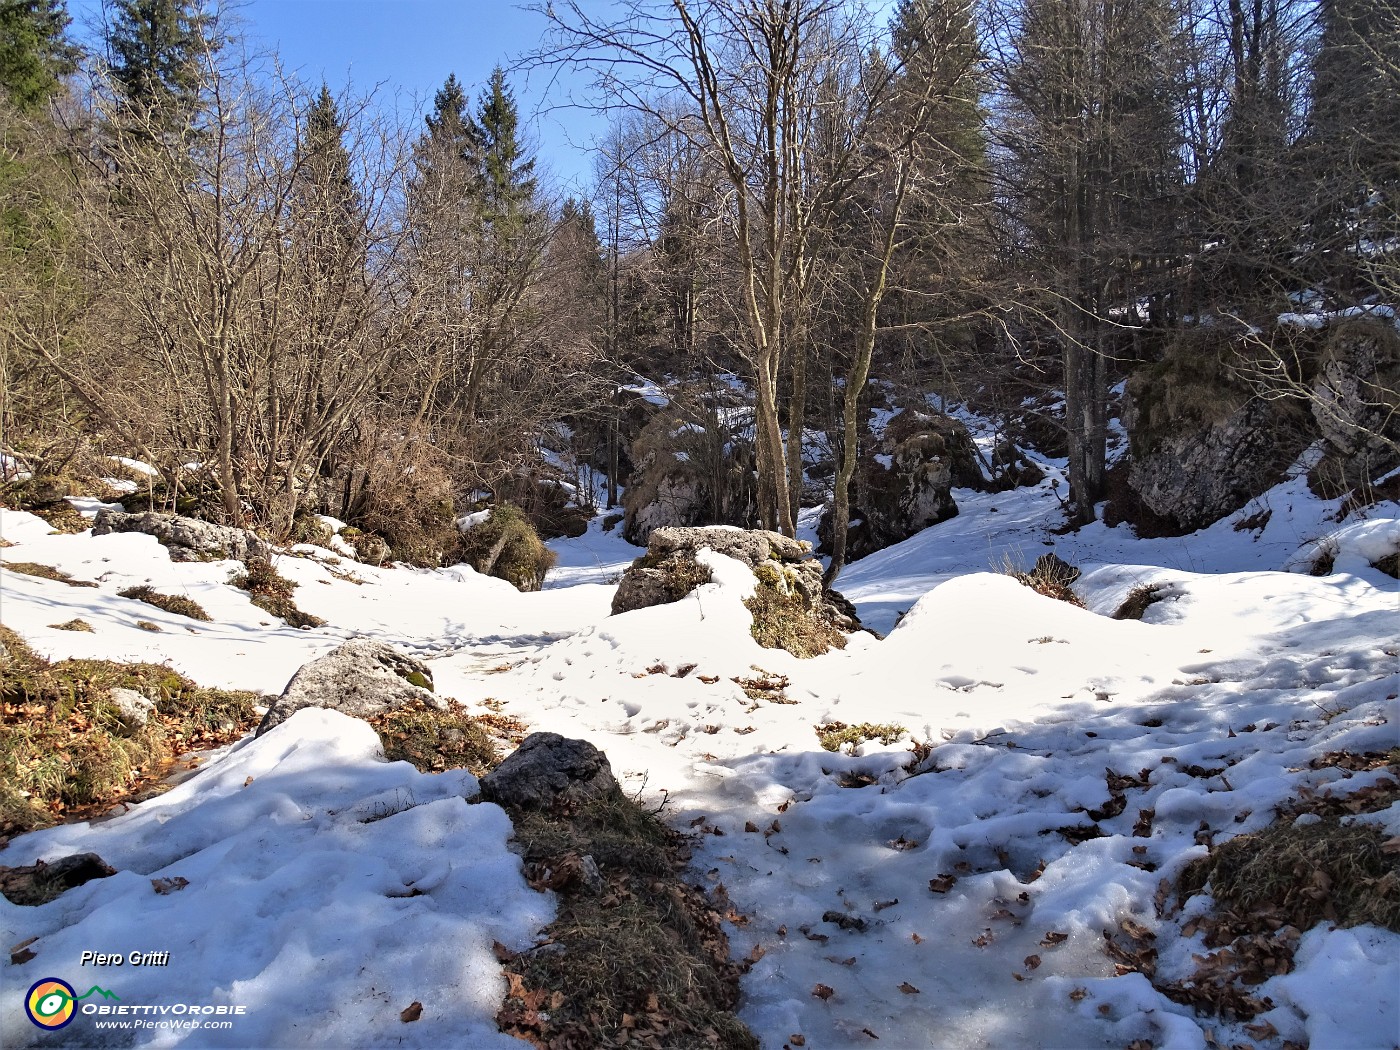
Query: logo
point(51, 1003)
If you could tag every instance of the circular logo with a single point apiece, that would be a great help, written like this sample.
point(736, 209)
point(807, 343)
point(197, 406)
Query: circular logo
point(49, 1003)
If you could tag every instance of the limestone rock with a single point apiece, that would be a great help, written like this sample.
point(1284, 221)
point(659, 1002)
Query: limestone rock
point(1353, 400)
point(134, 709)
point(361, 678)
point(905, 482)
point(187, 539)
point(548, 769)
point(41, 882)
point(791, 608)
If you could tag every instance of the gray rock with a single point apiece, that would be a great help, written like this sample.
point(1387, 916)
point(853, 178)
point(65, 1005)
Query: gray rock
point(548, 769)
point(784, 569)
point(361, 678)
point(905, 483)
point(1353, 399)
point(134, 709)
point(1197, 473)
point(187, 539)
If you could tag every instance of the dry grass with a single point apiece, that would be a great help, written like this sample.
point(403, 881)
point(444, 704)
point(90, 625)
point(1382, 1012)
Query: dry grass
point(171, 603)
point(434, 741)
point(644, 963)
point(74, 624)
point(784, 619)
point(47, 572)
point(65, 748)
point(271, 592)
point(1139, 600)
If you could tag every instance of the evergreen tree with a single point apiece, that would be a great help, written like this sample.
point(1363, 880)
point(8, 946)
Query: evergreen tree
point(155, 48)
point(508, 174)
point(35, 53)
point(326, 203)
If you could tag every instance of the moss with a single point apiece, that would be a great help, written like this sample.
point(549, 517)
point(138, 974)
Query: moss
point(171, 603)
point(434, 741)
point(507, 547)
point(645, 962)
point(271, 592)
point(839, 737)
point(421, 680)
point(307, 527)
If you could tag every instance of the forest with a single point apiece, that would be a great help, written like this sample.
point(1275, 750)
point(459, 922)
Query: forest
point(1177, 213)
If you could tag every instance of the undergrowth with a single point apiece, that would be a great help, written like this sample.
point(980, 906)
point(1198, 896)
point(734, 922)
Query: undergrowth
point(171, 603)
point(434, 741)
point(65, 747)
point(639, 961)
point(271, 592)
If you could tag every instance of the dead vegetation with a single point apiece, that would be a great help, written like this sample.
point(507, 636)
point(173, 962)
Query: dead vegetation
point(1051, 577)
point(66, 748)
point(46, 572)
point(434, 741)
point(171, 603)
point(844, 739)
point(1140, 599)
point(271, 592)
point(636, 958)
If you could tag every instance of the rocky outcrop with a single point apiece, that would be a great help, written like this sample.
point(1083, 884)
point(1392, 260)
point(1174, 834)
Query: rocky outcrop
point(687, 472)
point(790, 607)
point(187, 539)
point(548, 770)
point(904, 483)
point(1203, 442)
point(41, 882)
point(361, 678)
point(1353, 401)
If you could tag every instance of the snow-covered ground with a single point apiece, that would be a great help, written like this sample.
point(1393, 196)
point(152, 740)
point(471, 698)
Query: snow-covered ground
point(328, 891)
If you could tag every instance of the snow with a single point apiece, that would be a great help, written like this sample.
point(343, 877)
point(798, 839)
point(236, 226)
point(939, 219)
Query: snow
point(303, 849)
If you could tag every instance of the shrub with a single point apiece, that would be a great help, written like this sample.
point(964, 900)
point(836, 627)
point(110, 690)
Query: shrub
point(171, 603)
point(1051, 577)
point(270, 591)
point(507, 547)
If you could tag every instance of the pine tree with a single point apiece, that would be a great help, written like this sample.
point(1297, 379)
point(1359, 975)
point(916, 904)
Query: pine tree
point(35, 53)
point(156, 47)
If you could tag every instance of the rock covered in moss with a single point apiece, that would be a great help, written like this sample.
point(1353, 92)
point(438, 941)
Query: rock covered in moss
point(547, 770)
point(187, 539)
point(791, 608)
point(502, 542)
point(361, 678)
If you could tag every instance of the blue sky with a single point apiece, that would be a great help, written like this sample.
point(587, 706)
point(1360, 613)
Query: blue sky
point(409, 47)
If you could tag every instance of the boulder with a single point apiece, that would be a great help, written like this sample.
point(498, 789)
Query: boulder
point(904, 483)
point(547, 770)
point(361, 678)
point(791, 608)
point(41, 882)
point(1012, 468)
point(187, 539)
point(1203, 442)
point(689, 468)
point(1353, 401)
point(133, 709)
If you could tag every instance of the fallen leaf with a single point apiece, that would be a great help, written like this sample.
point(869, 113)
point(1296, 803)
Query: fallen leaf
point(916, 938)
point(1391, 845)
point(1261, 1031)
point(502, 953)
point(1053, 938)
point(164, 886)
point(797, 1039)
point(823, 992)
point(882, 905)
point(908, 989)
point(943, 883)
point(248, 781)
point(19, 958)
point(868, 1032)
point(1079, 995)
point(411, 1012)
point(1032, 961)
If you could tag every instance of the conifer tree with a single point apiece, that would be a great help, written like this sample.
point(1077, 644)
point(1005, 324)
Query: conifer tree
point(35, 53)
point(155, 49)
